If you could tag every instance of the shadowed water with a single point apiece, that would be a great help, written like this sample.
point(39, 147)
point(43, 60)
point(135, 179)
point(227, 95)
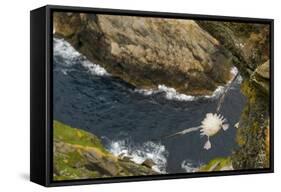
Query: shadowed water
point(130, 121)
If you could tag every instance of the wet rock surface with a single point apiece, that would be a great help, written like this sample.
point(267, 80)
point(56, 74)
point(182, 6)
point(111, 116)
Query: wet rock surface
point(192, 57)
point(147, 52)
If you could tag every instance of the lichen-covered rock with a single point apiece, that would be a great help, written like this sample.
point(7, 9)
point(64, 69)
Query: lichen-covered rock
point(249, 45)
point(193, 57)
point(247, 42)
point(217, 164)
point(252, 135)
point(263, 70)
point(261, 77)
point(80, 155)
point(147, 52)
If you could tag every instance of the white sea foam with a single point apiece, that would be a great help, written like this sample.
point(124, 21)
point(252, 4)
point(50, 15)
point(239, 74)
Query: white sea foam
point(171, 93)
point(216, 94)
point(188, 166)
point(234, 72)
point(69, 57)
point(94, 68)
point(65, 51)
point(147, 92)
point(138, 154)
point(64, 71)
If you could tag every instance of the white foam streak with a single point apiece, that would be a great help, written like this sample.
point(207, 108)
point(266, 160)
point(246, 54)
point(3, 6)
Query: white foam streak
point(171, 93)
point(218, 91)
point(234, 72)
point(188, 166)
point(65, 51)
point(149, 150)
point(94, 68)
point(70, 56)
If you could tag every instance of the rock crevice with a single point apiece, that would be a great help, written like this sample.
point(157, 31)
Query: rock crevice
point(249, 44)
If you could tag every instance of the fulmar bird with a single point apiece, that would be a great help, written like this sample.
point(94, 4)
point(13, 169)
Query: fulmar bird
point(213, 122)
point(211, 125)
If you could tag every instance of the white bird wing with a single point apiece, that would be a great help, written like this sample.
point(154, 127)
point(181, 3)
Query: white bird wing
point(183, 132)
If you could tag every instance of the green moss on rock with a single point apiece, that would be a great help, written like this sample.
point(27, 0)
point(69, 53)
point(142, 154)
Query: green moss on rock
point(253, 128)
point(80, 155)
point(249, 45)
point(217, 164)
point(67, 134)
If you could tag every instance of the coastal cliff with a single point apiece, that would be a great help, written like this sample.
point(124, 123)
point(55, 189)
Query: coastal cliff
point(250, 47)
point(147, 52)
point(194, 57)
point(80, 155)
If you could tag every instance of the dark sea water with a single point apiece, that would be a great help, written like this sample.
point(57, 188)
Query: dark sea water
point(133, 122)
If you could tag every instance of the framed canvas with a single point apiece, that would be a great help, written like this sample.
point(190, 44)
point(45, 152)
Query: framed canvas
point(120, 95)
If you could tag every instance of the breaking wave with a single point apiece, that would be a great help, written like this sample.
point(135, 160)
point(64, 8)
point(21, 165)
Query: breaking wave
point(188, 166)
point(138, 154)
point(171, 93)
point(234, 72)
point(67, 56)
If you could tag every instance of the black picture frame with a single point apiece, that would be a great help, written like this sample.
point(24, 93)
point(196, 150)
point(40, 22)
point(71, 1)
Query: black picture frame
point(41, 144)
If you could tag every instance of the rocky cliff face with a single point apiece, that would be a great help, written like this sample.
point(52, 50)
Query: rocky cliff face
point(147, 52)
point(80, 155)
point(249, 45)
point(193, 57)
